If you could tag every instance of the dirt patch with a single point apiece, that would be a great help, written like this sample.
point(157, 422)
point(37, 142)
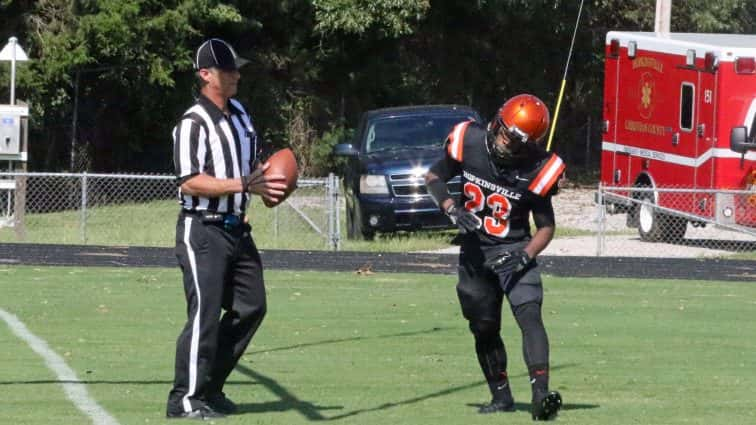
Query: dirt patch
point(576, 209)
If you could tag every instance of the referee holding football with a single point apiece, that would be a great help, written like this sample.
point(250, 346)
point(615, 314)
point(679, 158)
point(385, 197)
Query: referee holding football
point(216, 156)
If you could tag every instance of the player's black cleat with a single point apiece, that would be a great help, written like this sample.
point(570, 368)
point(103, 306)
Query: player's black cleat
point(546, 406)
point(221, 404)
point(497, 406)
point(202, 413)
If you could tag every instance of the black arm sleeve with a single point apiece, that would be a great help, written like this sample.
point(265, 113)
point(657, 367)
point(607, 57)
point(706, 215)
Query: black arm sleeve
point(445, 169)
point(543, 212)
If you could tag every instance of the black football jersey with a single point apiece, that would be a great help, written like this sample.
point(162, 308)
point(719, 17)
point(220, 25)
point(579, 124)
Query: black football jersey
point(502, 197)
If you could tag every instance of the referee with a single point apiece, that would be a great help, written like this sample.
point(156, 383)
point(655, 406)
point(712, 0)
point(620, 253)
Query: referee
point(215, 153)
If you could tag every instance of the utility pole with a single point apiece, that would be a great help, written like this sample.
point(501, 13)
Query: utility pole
point(14, 131)
point(663, 16)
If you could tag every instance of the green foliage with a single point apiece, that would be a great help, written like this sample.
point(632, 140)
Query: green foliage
point(314, 63)
point(391, 18)
point(719, 16)
point(323, 159)
point(120, 58)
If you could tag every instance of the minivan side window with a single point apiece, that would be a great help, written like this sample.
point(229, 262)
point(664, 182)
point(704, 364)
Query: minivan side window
point(687, 108)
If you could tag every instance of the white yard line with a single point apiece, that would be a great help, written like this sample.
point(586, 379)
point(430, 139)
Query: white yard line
point(76, 392)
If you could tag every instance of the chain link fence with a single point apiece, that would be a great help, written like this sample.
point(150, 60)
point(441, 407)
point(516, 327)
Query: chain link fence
point(673, 221)
point(141, 210)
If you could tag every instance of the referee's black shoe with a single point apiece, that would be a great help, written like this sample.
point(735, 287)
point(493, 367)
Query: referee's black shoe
point(546, 405)
point(203, 413)
point(221, 404)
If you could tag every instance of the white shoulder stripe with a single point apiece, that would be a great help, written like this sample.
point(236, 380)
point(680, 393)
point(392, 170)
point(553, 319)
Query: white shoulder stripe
point(548, 176)
point(458, 140)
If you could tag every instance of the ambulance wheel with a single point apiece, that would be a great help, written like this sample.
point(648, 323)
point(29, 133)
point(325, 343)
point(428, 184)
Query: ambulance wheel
point(654, 226)
point(649, 220)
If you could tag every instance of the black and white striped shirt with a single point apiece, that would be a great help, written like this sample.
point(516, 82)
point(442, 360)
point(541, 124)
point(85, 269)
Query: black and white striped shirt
point(207, 141)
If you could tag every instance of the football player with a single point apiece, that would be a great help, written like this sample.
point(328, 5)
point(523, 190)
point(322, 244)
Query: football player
point(506, 177)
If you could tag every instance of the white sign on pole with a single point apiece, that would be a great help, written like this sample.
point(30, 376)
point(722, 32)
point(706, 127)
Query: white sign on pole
point(13, 47)
point(13, 52)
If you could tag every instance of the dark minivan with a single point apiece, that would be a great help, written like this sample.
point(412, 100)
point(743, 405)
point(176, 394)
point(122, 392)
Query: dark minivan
point(390, 153)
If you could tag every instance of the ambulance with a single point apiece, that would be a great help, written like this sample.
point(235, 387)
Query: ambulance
point(678, 141)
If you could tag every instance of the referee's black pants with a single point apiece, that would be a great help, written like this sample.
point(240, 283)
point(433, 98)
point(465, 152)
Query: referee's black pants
point(222, 269)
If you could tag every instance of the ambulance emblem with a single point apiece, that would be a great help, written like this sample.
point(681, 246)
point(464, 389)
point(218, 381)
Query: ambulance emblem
point(646, 89)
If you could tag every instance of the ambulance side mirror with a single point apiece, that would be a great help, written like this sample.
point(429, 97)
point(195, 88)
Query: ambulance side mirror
point(739, 140)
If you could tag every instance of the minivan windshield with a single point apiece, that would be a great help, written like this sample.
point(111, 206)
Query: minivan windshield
point(410, 132)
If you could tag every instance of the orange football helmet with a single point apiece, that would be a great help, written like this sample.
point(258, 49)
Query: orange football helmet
point(524, 117)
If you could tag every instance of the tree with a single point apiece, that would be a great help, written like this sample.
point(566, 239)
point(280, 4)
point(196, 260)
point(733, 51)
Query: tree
point(316, 65)
point(389, 18)
point(120, 58)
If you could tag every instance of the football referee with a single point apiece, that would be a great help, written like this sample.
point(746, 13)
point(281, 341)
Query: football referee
point(216, 155)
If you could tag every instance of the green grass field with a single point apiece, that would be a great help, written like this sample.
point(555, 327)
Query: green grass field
point(384, 349)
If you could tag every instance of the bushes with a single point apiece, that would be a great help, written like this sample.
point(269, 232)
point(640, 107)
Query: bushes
point(322, 158)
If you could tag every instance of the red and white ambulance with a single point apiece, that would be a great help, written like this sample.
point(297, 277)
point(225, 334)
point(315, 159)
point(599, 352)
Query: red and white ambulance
point(679, 114)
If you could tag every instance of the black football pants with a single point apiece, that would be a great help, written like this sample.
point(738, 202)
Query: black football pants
point(481, 294)
point(222, 269)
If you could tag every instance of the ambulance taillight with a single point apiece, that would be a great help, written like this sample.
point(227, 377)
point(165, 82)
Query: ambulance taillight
point(745, 65)
point(614, 48)
point(711, 62)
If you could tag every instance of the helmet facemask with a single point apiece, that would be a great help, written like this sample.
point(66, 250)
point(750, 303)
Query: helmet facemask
point(505, 154)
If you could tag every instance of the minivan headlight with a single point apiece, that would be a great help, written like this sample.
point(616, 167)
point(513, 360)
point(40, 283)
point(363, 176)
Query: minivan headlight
point(373, 184)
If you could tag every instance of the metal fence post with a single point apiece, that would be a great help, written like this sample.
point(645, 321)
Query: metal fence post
point(332, 192)
point(329, 212)
point(336, 207)
point(83, 220)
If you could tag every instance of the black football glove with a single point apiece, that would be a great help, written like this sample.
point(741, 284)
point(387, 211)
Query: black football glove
point(508, 262)
point(465, 220)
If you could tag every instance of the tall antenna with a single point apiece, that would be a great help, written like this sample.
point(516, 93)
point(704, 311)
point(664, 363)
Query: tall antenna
point(564, 78)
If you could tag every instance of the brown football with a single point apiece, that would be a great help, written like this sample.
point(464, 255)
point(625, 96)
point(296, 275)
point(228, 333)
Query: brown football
point(283, 162)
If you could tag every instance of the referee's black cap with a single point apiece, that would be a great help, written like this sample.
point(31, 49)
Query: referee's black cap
point(216, 53)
